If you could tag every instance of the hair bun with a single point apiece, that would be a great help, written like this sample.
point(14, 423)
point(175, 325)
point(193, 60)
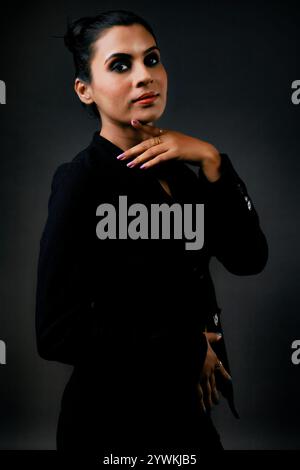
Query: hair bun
point(74, 33)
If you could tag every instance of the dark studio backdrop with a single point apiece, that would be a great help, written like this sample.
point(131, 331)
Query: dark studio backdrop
point(230, 66)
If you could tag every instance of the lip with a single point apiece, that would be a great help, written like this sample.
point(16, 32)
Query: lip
point(147, 100)
point(147, 97)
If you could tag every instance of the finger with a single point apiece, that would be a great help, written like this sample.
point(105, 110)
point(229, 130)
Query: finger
point(159, 159)
point(151, 153)
point(206, 388)
point(201, 401)
point(139, 148)
point(225, 374)
point(221, 369)
point(213, 337)
point(214, 391)
point(149, 129)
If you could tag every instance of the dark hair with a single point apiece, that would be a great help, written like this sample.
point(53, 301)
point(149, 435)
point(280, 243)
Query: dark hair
point(84, 32)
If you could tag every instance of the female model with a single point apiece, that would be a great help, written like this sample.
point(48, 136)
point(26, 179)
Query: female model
point(132, 313)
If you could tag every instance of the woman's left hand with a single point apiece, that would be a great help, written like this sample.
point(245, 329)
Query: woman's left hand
point(207, 388)
point(161, 145)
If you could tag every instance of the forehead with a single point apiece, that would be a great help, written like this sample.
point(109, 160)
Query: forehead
point(133, 39)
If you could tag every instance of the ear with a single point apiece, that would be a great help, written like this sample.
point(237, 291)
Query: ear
point(83, 91)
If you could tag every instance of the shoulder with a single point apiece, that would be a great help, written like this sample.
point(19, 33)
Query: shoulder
point(71, 183)
point(89, 173)
point(74, 175)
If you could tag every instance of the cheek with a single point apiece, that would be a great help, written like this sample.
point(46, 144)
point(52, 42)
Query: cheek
point(163, 79)
point(111, 89)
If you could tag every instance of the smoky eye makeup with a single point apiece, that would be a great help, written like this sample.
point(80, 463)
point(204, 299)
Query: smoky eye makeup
point(148, 59)
point(121, 65)
point(117, 65)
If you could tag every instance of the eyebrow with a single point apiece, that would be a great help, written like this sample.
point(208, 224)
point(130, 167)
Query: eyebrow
point(129, 56)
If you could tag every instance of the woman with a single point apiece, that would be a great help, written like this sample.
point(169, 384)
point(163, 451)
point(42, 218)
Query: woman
point(133, 314)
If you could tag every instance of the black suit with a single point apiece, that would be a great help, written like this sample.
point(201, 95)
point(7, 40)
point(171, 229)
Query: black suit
point(128, 314)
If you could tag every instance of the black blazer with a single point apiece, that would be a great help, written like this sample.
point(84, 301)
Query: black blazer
point(129, 314)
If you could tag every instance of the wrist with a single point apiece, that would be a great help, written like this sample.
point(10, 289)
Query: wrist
point(212, 167)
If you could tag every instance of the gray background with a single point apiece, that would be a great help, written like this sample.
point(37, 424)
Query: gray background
point(230, 66)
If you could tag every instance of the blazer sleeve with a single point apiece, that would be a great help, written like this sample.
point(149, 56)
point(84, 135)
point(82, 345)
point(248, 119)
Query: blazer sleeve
point(66, 326)
point(232, 226)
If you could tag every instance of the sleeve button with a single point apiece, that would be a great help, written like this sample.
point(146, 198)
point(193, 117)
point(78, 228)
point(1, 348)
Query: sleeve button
point(249, 205)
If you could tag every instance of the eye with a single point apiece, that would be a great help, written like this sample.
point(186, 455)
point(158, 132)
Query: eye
point(119, 66)
point(152, 59)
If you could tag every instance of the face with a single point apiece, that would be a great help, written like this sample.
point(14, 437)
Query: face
point(126, 64)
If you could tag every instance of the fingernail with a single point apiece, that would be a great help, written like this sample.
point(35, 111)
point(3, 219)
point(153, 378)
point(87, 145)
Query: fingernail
point(135, 121)
point(143, 166)
point(130, 164)
point(120, 156)
point(219, 334)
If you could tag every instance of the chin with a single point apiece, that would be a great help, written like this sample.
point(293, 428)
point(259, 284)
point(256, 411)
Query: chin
point(150, 116)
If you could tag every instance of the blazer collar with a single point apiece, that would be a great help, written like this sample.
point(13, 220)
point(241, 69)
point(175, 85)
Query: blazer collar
point(102, 142)
point(106, 152)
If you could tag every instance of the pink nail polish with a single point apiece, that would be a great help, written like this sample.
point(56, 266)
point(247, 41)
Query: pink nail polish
point(130, 164)
point(143, 166)
point(120, 156)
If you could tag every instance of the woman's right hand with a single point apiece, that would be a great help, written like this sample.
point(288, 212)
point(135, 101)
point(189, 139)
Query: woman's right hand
point(207, 389)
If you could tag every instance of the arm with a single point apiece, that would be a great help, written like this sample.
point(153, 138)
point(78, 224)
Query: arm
point(232, 228)
point(66, 328)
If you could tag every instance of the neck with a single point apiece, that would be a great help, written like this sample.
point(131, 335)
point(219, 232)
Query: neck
point(124, 137)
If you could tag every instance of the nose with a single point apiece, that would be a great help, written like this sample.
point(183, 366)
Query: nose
point(142, 75)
